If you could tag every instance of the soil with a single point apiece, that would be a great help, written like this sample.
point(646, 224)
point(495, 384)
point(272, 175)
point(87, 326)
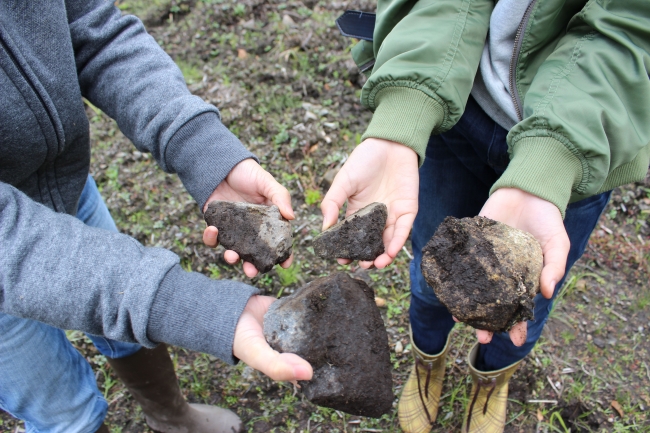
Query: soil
point(292, 95)
point(259, 234)
point(486, 273)
point(358, 237)
point(333, 323)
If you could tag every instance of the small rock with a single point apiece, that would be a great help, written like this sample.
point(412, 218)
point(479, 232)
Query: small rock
point(380, 302)
point(334, 324)
point(599, 342)
point(288, 21)
point(399, 347)
point(259, 234)
point(357, 237)
point(328, 177)
point(310, 116)
point(486, 273)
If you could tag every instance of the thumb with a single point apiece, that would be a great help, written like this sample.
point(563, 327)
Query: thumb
point(555, 258)
point(278, 195)
point(278, 366)
point(334, 200)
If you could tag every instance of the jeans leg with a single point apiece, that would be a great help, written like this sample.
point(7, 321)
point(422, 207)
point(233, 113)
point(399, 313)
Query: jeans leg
point(581, 218)
point(448, 186)
point(93, 212)
point(45, 381)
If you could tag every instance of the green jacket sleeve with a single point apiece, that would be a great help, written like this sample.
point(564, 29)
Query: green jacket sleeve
point(416, 46)
point(586, 125)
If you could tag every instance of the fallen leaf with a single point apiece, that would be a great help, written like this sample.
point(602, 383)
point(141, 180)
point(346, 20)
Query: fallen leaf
point(313, 148)
point(241, 53)
point(381, 302)
point(616, 405)
point(540, 417)
point(326, 86)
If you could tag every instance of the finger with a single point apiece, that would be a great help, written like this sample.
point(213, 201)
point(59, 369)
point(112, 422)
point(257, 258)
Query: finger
point(278, 366)
point(382, 261)
point(279, 196)
point(250, 270)
point(287, 263)
point(555, 257)
point(335, 198)
point(484, 337)
point(210, 236)
point(518, 333)
point(365, 264)
point(344, 261)
point(231, 257)
point(455, 320)
point(400, 234)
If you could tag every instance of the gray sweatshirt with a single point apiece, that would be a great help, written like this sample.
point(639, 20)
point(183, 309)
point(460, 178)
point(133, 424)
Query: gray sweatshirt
point(55, 269)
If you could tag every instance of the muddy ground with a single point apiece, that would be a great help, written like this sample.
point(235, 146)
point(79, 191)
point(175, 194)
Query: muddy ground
point(283, 78)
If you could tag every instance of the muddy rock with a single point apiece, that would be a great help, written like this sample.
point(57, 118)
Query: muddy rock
point(357, 237)
point(334, 324)
point(486, 273)
point(259, 234)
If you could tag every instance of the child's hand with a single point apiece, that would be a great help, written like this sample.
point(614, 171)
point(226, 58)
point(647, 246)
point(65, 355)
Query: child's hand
point(377, 171)
point(251, 347)
point(248, 182)
point(543, 220)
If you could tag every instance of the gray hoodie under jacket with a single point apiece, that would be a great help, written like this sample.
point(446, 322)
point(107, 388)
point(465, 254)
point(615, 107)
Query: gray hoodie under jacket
point(55, 269)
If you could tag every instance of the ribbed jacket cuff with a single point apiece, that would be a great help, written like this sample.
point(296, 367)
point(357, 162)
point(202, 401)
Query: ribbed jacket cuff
point(544, 167)
point(197, 313)
point(203, 152)
point(406, 116)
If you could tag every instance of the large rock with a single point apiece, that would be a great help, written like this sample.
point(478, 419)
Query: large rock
point(357, 237)
point(259, 234)
point(486, 273)
point(334, 324)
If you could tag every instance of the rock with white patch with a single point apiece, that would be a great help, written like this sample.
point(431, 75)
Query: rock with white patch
point(259, 234)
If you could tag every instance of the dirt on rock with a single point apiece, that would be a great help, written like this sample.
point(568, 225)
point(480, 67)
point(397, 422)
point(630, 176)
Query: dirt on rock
point(357, 237)
point(259, 234)
point(485, 272)
point(334, 324)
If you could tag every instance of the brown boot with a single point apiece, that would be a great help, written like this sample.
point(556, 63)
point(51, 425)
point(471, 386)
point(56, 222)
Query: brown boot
point(149, 375)
point(486, 412)
point(418, 405)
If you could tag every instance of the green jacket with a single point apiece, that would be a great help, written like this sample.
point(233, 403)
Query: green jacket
point(579, 79)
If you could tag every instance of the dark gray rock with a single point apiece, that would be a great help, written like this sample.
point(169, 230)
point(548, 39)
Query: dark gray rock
point(357, 237)
point(486, 273)
point(334, 324)
point(259, 234)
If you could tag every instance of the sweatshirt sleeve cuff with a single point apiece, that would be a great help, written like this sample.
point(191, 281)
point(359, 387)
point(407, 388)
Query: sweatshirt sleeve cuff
point(197, 313)
point(203, 152)
point(544, 167)
point(406, 116)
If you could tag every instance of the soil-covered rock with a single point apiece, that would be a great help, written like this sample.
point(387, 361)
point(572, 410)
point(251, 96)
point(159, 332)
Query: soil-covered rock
point(334, 324)
point(485, 272)
point(357, 237)
point(259, 234)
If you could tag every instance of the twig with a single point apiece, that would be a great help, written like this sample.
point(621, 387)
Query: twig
point(620, 316)
point(557, 391)
point(647, 369)
point(606, 229)
point(407, 252)
point(542, 401)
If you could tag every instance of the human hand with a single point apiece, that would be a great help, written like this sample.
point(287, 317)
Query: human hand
point(377, 171)
point(543, 220)
point(248, 182)
point(251, 347)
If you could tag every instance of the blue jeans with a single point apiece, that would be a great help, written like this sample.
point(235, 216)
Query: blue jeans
point(44, 380)
point(455, 179)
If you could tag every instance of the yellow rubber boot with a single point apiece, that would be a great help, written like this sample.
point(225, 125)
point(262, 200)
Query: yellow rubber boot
point(486, 412)
point(418, 406)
